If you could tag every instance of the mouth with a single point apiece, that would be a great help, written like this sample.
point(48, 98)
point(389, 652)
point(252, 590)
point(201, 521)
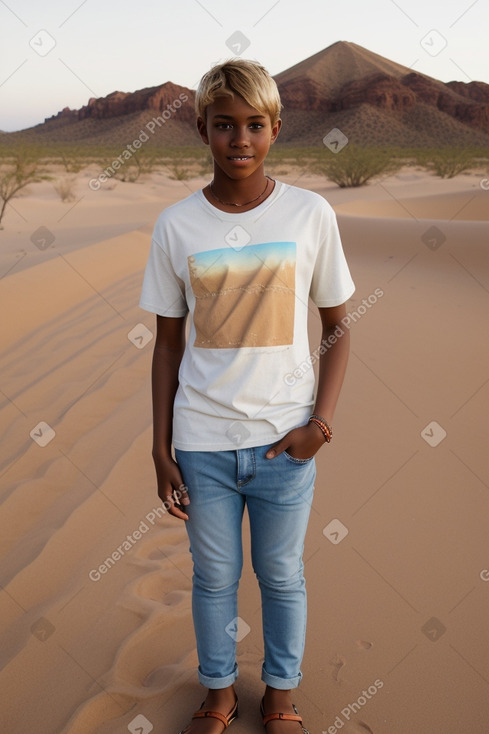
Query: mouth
point(240, 157)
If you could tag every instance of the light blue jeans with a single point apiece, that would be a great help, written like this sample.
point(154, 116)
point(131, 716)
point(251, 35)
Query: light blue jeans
point(278, 493)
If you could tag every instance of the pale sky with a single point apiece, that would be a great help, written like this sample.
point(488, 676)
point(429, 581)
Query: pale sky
point(59, 53)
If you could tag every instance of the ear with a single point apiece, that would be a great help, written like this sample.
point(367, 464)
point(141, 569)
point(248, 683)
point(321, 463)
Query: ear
point(202, 128)
point(275, 131)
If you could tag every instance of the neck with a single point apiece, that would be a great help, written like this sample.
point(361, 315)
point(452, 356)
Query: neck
point(255, 200)
point(239, 190)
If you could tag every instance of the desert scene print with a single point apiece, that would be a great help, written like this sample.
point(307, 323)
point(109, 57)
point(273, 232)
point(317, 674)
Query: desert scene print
point(245, 297)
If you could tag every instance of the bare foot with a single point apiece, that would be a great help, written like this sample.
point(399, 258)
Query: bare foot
point(222, 700)
point(275, 702)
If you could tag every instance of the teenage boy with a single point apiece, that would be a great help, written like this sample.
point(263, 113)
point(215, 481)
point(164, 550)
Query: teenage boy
point(241, 258)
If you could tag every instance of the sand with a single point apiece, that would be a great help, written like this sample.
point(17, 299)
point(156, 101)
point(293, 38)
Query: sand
point(243, 304)
point(96, 632)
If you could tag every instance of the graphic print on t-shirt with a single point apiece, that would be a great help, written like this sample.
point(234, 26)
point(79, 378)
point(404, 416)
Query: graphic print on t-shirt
point(244, 298)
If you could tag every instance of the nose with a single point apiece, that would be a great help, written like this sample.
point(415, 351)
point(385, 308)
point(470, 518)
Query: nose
point(241, 137)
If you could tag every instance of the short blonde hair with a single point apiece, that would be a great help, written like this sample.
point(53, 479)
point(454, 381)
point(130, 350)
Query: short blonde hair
point(248, 79)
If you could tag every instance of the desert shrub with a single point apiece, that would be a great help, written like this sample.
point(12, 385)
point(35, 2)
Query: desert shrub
point(138, 164)
point(16, 173)
point(65, 188)
point(179, 172)
point(126, 170)
point(73, 162)
point(355, 166)
point(130, 171)
point(206, 165)
point(447, 162)
point(146, 160)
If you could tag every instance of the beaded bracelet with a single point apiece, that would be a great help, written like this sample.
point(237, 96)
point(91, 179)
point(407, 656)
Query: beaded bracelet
point(326, 429)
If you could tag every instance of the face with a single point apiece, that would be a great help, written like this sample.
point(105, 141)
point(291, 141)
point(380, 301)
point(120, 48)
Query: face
point(239, 136)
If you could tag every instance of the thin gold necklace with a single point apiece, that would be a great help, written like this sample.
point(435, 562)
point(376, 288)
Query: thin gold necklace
point(231, 203)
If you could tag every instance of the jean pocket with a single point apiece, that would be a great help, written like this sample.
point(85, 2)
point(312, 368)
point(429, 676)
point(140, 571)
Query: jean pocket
point(293, 460)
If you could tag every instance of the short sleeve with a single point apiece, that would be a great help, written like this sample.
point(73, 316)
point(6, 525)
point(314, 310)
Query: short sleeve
point(163, 292)
point(331, 283)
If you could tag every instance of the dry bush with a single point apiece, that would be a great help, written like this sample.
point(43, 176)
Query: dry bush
point(447, 162)
point(132, 169)
point(206, 165)
point(73, 163)
point(65, 188)
point(147, 161)
point(179, 172)
point(129, 172)
point(355, 166)
point(15, 174)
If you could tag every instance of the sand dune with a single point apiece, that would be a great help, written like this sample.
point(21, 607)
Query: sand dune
point(255, 306)
point(96, 580)
point(471, 206)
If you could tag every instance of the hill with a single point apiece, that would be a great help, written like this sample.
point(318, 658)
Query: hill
point(372, 100)
point(376, 101)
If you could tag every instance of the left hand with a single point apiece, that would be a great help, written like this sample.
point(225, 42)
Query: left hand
point(300, 443)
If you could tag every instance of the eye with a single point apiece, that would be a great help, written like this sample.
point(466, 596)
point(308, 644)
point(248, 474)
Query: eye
point(223, 125)
point(256, 126)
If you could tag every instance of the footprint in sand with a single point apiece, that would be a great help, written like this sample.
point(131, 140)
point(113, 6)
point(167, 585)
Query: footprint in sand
point(338, 664)
point(161, 544)
point(164, 588)
point(363, 645)
point(357, 727)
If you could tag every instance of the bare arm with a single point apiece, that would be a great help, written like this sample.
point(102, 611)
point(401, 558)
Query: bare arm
point(332, 364)
point(305, 441)
point(168, 352)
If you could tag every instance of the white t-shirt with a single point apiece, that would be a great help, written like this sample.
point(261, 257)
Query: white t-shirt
point(245, 280)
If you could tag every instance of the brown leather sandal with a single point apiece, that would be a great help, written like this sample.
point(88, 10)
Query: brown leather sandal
point(281, 717)
point(206, 714)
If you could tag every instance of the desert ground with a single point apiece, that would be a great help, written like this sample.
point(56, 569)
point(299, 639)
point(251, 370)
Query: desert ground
point(96, 629)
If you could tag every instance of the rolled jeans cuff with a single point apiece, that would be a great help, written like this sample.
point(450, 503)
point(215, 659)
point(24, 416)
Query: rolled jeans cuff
point(216, 683)
point(282, 684)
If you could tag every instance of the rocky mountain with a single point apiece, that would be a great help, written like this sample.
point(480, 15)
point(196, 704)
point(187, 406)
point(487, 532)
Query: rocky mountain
point(376, 101)
point(166, 97)
point(371, 99)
